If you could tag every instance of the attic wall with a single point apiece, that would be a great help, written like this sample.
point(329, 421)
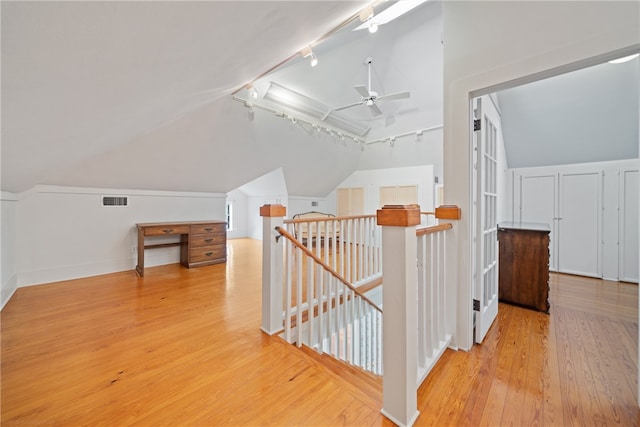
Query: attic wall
point(298, 204)
point(64, 232)
point(372, 180)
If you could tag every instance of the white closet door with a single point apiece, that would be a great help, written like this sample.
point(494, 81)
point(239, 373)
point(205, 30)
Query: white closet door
point(538, 198)
point(628, 270)
point(580, 224)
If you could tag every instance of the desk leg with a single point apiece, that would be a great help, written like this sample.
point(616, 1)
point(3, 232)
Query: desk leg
point(140, 266)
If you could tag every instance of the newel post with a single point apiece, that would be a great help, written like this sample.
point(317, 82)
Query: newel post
point(272, 263)
point(400, 318)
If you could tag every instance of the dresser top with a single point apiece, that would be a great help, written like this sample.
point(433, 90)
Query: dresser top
point(155, 224)
point(531, 226)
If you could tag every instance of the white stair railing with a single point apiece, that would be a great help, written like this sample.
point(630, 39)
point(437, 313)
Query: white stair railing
point(433, 336)
point(325, 312)
point(351, 245)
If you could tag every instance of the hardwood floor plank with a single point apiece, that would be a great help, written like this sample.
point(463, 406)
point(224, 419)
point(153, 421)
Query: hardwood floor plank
point(183, 347)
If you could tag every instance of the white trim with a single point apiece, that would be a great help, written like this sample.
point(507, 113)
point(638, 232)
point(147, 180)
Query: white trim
point(398, 423)
point(13, 284)
point(55, 189)
point(7, 196)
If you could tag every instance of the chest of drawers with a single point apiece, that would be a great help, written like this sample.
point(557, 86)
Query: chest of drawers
point(201, 242)
point(524, 264)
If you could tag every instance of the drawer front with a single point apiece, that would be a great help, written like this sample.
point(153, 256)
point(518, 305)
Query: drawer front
point(198, 240)
point(208, 228)
point(166, 230)
point(207, 253)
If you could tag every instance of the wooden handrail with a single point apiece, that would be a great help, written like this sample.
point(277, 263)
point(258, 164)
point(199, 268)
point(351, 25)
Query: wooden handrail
point(433, 229)
point(304, 249)
point(333, 218)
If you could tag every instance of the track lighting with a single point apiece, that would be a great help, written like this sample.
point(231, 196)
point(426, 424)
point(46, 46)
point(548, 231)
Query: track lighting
point(308, 53)
point(366, 16)
point(394, 11)
point(623, 60)
point(253, 93)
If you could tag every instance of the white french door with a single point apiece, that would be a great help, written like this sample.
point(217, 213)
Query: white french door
point(485, 212)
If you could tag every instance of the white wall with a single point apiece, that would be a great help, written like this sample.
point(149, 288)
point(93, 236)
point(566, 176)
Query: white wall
point(300, 204)
point(611, 191)
point(240, 214)
point(64, 233)
point(254, 220)
point(495, 45)
point(8, 272)
point(372, 180)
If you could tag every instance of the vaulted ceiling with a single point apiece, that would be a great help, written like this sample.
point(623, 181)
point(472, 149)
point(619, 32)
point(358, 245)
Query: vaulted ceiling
point(138, 95)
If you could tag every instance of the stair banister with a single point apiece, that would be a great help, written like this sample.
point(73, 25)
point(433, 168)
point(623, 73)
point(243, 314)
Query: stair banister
point(272, 276)
point(399, 323)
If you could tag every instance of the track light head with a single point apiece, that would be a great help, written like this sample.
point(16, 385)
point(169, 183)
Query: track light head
point(251, 90)
point(308, 53)
point(314, 60)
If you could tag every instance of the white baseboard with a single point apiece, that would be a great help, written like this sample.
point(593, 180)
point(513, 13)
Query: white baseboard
point(8, 289)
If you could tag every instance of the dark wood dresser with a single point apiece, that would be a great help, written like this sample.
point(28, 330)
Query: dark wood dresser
point(201, 242)
point(524, 264)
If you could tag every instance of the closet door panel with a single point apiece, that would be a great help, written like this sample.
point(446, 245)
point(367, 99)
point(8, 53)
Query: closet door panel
point(579, 230)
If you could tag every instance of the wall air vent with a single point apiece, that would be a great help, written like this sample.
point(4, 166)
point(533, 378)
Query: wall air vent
point(114, 201)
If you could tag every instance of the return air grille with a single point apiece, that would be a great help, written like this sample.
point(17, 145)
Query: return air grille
point(114, 201)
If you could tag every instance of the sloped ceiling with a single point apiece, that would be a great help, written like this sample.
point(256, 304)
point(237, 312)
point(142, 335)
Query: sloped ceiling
point(135, 94)
point(590, 115)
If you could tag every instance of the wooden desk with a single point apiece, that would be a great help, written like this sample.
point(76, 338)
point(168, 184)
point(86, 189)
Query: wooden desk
point(201, 242)
point(523, 271)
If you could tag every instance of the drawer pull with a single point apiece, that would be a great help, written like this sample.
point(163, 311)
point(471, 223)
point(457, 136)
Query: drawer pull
point(208, 253)
point(208, 229)
point(208, 240)
point(167, 230)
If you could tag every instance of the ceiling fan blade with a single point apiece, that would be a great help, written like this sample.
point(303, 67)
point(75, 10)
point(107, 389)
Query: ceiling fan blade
point(375, 110)
point(399, 95)
point(347, 106)
point(362, 90)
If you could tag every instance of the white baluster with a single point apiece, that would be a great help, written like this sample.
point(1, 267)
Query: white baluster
point(299, 256)
point(289, 250)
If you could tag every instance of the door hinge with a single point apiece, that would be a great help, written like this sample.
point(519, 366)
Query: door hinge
point(477, 125)
point(476, 305)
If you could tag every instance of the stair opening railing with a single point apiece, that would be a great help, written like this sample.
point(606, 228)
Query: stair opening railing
point(351, 245)
point(319, 308)
point(433, 334)
point(323, 311)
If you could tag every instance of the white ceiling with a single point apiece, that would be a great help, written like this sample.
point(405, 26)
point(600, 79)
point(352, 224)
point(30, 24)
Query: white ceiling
point(137, 95)
point(80, 80)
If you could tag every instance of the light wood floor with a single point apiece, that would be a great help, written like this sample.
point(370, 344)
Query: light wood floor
point(183, 347)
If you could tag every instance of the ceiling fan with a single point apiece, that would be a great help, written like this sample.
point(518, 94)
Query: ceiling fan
point(370, 98)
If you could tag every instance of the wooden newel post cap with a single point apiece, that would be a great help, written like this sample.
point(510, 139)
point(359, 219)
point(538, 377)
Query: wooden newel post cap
point(448, 212)
point(273, 210)
point(399, 215)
